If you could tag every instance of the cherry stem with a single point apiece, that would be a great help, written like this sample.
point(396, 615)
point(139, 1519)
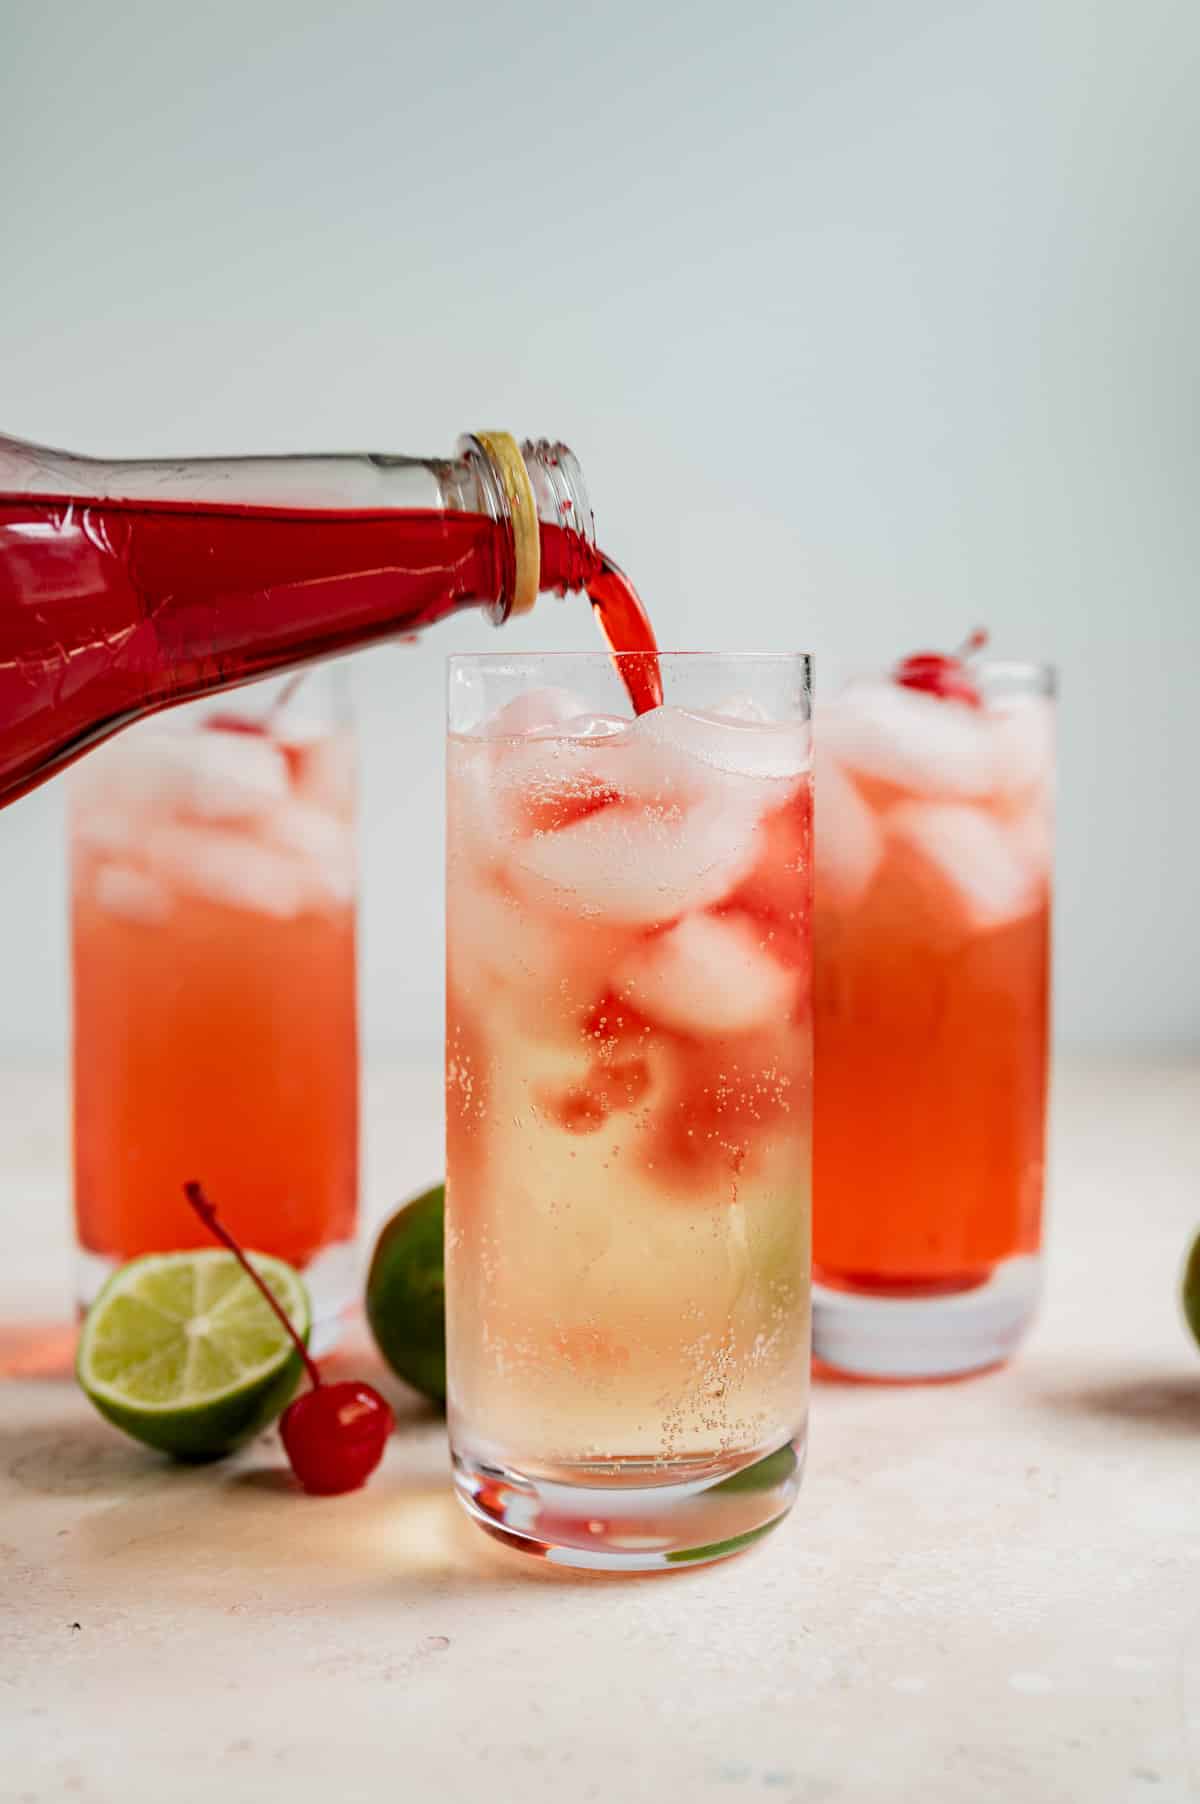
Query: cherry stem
point(279, 705)
point(973, 642)
point(208, 1215)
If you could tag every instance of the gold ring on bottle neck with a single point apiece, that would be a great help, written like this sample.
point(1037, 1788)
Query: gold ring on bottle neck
point(505, 456)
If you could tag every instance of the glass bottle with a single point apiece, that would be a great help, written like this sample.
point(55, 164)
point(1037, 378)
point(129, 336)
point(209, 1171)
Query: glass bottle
point(129, 586)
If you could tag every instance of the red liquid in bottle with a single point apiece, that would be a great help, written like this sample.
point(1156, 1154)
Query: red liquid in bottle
point(113, 609)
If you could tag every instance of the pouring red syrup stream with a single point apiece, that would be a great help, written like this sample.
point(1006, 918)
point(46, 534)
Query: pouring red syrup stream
point(333, 1435)
point(628, 633)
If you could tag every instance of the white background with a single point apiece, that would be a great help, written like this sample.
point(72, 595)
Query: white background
point(868, 323)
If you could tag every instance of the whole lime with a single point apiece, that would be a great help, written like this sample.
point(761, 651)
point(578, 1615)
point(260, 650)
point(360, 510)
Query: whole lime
point(406, 1294)
point(1191, 1288)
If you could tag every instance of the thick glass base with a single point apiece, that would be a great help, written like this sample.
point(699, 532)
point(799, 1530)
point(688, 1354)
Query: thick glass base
point(331, 1279)
point(925, 1333)
point(625, 1516)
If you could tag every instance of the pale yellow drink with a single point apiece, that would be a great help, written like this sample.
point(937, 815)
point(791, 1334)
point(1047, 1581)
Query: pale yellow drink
point(628, 1093)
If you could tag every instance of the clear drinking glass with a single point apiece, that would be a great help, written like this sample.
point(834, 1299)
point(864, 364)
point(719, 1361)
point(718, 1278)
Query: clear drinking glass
point(215, 1033)
point(934, 832)
point(628, 1103)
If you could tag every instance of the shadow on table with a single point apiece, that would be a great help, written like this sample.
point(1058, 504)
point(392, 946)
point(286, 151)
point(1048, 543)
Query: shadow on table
point(79, 1456)
point(402, 1535)
point(208, 1533)
point(210, 1536)
point(1165, 1404)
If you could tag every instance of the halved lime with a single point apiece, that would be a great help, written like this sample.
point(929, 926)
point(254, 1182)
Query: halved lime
point(181, 1351)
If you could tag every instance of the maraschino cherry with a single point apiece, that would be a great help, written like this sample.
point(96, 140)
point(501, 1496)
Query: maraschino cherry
point(333, 1435)
point(945, 675)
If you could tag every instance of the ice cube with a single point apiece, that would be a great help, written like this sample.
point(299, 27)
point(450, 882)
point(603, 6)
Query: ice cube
point(917, 742)
point(586, 727)
point(637, 866)
point(472, 815)
point(668, 756)
point(708, 975)
point(229, 868)
point(120, 889)
point(742, 707)
point(325, 844)
point(324, 772)
point(102, 829)
point(118, 777)
point(847, 839)
point(536, 708)
point(481, 926)
point(489, 933)
point(974, 853)
point(1032, 833)
point(229, 776)
point(210, 775)
point(547, 781)
point(778, 752)
point(544, 969)
point(1023, 745)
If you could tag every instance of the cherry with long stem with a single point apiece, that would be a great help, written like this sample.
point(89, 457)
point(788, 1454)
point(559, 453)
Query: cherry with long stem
point(334, 1435)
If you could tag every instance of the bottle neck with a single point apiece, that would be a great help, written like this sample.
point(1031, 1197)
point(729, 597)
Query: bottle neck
point(536, 491)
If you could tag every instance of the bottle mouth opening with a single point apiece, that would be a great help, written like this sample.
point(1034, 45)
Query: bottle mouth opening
point(560, 492)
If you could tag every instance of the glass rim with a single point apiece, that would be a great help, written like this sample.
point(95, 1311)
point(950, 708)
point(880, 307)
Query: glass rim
point(1030, 670)
point(497, 658)
point(1032, 673)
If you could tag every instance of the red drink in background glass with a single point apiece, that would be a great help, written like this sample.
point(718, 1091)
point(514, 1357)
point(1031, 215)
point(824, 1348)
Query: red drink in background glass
point(213, 892)
point(933, 873)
